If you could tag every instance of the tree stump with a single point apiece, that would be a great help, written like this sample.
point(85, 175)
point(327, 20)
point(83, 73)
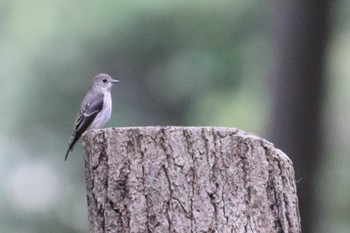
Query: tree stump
point(187, 179)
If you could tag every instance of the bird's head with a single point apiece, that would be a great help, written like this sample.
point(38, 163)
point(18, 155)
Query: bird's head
point(104, 82)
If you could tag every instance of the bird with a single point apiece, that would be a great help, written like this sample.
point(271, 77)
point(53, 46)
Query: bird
point(95, 110)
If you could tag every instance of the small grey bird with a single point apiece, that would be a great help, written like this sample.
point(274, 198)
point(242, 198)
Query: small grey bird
point(96, 108)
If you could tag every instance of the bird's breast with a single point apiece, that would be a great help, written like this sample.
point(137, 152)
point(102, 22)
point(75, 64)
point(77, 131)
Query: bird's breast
point(105, 114)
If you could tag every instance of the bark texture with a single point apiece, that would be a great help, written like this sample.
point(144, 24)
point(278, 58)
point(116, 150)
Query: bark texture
point(187, 179)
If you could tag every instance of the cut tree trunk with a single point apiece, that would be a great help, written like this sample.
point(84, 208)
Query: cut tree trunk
point(187, 179)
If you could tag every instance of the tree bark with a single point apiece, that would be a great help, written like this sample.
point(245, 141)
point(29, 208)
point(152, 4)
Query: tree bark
point(187, 179)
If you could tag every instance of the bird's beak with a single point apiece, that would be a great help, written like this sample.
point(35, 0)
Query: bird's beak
point(114, 81)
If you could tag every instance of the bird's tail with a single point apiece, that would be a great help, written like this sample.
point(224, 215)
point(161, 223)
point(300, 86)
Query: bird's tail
point(70, 148)
point(72, 142)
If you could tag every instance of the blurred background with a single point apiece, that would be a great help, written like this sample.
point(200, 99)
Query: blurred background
point(279, 69)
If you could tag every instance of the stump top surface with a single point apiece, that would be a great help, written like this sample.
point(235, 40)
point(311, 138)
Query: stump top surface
point(150, 129)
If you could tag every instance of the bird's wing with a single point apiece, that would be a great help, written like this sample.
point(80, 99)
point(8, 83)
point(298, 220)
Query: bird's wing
point(90, 107)
point(88, 111)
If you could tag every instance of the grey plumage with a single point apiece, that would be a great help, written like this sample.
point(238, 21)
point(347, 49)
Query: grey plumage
point(95, 110)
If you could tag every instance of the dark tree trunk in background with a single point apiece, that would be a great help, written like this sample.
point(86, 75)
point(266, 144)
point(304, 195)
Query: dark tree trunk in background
point(187, 179)
point(301, 38)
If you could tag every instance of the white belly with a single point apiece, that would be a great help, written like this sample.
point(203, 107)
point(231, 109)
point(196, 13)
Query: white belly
point(105, 114)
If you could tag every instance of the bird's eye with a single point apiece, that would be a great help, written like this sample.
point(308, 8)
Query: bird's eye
point(104, 80)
